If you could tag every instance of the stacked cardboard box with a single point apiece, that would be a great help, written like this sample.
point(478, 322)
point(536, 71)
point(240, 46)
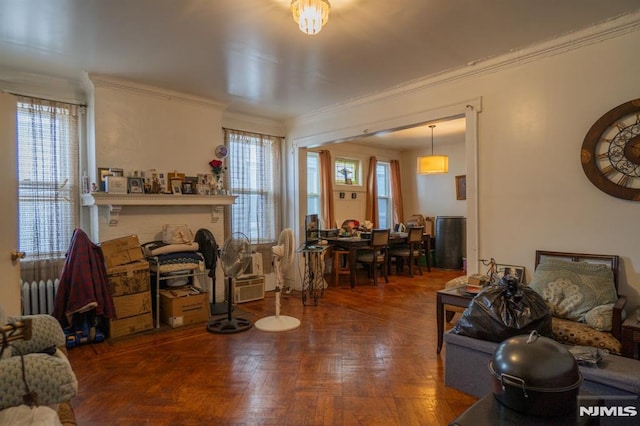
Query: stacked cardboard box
point(183, 306)
point(128, 275)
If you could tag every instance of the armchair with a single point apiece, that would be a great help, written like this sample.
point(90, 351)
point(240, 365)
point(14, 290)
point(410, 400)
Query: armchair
point(582, 292)
point(34, 371)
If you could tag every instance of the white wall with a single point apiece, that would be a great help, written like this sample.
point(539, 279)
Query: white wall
point(536, 109)
point(434, 195)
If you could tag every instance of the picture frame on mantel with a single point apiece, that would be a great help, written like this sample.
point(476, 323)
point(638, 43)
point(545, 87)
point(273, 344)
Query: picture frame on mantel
point(461, 187)
point(176, 186)
point(135, 185)
point(103, 172)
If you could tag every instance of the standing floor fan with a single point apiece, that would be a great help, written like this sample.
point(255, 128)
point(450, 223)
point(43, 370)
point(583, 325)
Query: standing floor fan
point(283, 255)
point(208, 247)
point(235, 257)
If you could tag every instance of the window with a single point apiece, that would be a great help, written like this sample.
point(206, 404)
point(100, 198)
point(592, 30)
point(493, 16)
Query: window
point(313, 183)
point(254, 177)
point(347, 171)
point(385, 215)
point(48, 191)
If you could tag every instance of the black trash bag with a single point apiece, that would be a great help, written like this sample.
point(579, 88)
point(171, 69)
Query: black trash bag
point(505, 310)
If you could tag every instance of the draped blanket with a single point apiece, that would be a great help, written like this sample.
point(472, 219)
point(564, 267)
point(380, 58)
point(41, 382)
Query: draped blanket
point(83, 281)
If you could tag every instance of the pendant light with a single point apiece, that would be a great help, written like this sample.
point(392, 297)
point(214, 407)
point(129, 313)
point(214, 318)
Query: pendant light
point(433, 164)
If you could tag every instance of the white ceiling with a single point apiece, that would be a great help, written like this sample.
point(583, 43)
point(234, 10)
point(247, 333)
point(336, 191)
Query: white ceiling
point(250, 55)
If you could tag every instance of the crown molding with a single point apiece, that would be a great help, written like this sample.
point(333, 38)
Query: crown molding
point(22, 83)
point(607, 30)
point(100, 80)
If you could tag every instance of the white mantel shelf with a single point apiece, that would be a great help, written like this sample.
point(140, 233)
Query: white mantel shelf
point(116, 201)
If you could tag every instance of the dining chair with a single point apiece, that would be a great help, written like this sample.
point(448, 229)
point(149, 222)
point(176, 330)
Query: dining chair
point(340, 264)
point(409, 252)
point(375, 255)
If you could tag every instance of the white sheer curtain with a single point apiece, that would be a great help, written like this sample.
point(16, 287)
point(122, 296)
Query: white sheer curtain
point(254, 167)
point(48, 183)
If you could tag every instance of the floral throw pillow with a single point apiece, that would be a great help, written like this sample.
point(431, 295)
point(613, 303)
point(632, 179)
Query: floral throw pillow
point(572, 289)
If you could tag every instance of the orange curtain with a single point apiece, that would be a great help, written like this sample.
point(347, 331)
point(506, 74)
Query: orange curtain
point(371, 207)
point(326, 190)
point(396, 192)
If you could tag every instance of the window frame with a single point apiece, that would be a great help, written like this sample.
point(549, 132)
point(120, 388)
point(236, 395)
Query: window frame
point(386, 165)
point(249, 149)
point(61, 123)
point(343, 162)
point(313, 195)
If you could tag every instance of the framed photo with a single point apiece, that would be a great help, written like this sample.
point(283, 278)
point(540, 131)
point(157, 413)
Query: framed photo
point(188, 187)
point(514, 271)
point(103, 172)
point(135, 185)
point(461, 187)
point(115, 184)
point(175, 175)
point(176, 186)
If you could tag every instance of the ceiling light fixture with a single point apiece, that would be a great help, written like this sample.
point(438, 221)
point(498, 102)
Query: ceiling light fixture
point(433, 164)
point(310, 15)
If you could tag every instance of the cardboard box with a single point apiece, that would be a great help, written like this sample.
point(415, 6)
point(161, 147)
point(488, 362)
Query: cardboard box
point(129, 279)
point(180, 306)
point(132, 304)
point(121, 251)
point(131, 325)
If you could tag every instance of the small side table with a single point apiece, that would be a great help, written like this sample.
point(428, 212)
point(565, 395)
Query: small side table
point(454, 296)
point(631, 335)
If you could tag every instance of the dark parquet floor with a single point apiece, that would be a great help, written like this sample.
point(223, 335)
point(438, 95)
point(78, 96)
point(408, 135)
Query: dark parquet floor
point(363, 356)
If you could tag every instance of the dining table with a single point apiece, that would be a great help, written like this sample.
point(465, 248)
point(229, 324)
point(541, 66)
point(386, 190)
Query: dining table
point(353, 243)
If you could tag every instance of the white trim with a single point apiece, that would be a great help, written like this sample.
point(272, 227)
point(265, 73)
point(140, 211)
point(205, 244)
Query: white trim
point(595, 34)
point(100, 80)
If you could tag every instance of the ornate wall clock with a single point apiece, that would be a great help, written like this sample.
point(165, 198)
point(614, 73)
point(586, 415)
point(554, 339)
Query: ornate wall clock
point(610, 152)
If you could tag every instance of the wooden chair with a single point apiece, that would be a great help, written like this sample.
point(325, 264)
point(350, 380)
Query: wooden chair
point(375, 255)
point(340, 265)
point(411, 251)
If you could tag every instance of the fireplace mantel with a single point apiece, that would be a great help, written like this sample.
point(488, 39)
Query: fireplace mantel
point(115, 202)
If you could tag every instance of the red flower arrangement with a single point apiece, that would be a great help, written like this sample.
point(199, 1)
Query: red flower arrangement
point(217, 166)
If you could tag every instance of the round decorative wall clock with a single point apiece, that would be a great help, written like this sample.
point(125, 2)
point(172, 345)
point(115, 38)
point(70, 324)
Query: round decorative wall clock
point(222, 151)
point(610, 152)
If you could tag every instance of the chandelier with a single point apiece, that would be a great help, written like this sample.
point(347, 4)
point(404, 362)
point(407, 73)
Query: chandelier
point(310, 15)
point(433, 164)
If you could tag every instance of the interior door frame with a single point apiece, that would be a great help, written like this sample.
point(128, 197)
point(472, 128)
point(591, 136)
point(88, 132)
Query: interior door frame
point(469, 109)
point(9, 269)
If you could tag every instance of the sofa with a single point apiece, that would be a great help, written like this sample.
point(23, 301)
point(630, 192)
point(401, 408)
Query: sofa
point(37, 379)
point(586, 317)
point(467, 369)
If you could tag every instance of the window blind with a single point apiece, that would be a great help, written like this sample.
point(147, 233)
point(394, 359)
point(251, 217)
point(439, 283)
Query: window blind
point(48, 176)
point(254, 167)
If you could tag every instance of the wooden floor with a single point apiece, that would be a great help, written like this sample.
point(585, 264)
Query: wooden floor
point(364, 356)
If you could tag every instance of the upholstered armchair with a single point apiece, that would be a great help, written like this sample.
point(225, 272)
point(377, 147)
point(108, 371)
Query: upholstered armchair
point(37, 378)
point(582, 292)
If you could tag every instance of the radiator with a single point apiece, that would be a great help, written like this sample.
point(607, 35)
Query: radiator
point(38, 297)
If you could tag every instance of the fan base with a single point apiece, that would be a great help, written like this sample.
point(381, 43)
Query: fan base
point(277, 323)
point(228, 325)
